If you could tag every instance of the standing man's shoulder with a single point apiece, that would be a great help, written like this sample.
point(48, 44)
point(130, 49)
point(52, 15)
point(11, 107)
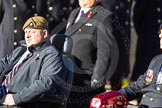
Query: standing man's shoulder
point(105, 14)
point(156, 60)
point(75, 10)
point(103, 11)
point(157, 57)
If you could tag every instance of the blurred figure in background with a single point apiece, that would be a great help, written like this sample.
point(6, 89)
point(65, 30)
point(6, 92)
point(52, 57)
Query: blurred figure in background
point(147, 18)
point(122, 9)
point(58, 13)
point(13, 14)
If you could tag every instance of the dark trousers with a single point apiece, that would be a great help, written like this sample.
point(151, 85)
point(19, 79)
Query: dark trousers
point(82, 92)
point(82, 99)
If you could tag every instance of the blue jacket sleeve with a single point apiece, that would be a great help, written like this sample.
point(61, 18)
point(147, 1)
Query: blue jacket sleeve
point(134, 89)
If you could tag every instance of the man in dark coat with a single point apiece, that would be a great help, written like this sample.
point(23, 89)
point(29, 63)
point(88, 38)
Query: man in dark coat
point(93, 46)
point(147, 18)
point(122, 9)
point(29, 81)
point(149, 84)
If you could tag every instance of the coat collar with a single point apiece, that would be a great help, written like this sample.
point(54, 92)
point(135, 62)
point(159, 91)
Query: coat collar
point(38, 46)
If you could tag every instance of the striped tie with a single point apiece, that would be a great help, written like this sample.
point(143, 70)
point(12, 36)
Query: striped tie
point(15, 68)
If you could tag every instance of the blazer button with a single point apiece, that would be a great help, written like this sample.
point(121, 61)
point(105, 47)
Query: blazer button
point(144, 96)
point(158, 21)
point(15, 31)
point(158, 88)
point(151, 99)
point(50, 8)
point(80, 30)
point(15, 43)
point(14, 5)
point(33, 6)
point(15, 18)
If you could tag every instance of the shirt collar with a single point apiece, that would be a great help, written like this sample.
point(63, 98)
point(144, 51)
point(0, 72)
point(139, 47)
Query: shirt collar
point(85, 10)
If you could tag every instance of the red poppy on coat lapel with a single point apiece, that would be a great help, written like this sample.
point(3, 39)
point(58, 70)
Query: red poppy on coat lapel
point(89, 14)
point(36, 57)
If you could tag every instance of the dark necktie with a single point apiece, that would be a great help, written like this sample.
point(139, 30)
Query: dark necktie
point(15, 68)
point(81, 14)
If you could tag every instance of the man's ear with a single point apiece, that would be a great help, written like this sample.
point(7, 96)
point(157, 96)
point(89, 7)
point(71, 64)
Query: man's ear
point(45, 32)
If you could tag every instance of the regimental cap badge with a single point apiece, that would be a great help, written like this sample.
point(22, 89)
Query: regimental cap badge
point(31, 24)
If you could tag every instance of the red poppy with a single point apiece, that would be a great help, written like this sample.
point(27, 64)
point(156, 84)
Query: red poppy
point(89, 14)
point(36, 57)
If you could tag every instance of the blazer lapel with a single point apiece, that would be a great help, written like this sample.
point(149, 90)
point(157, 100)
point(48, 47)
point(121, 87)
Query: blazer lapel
point(72, 18)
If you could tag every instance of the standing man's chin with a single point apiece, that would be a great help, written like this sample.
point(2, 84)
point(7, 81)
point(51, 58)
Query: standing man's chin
point(161, 47)
point(28, 45)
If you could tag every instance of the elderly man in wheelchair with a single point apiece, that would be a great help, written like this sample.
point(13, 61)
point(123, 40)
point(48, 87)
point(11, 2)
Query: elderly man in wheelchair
point(149, 85)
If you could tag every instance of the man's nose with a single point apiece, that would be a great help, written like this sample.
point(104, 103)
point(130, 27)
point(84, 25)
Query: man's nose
point(27, 35)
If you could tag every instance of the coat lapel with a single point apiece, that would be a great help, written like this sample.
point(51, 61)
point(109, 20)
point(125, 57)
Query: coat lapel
point(72, 18)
